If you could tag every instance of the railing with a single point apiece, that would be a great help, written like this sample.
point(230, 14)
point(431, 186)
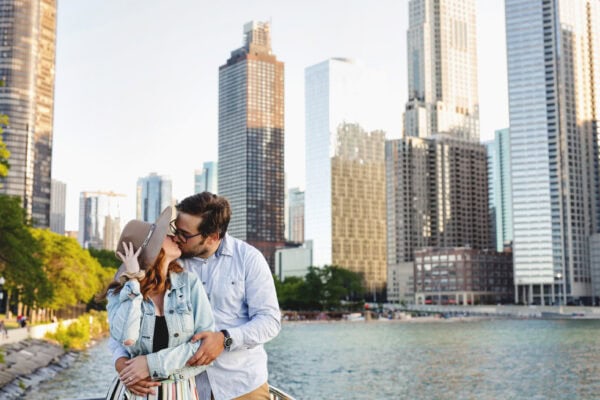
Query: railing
point(276, 394)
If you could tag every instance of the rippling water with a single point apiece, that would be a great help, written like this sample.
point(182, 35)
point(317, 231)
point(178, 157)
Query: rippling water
point(525, 359)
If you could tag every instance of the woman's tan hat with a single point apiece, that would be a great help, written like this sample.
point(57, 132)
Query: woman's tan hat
point(146, 235)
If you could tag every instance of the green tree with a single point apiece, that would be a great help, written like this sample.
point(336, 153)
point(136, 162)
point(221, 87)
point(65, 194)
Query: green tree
point(74, 274)
point(4, 153)
point(290, 293)
point(106, 258)
point(19, 250)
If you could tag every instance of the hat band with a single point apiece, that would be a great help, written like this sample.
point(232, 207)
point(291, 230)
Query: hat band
point(152, 228)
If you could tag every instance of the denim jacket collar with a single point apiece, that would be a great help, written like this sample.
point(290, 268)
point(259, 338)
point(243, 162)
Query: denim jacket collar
point(176, 280)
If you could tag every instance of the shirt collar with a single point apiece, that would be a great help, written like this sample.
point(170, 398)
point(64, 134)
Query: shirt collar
point(225, 247)
point(176, 280)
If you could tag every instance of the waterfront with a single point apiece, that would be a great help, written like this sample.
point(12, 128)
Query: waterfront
point(485, 359)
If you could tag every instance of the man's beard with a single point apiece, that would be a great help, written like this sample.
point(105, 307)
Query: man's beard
point(194, 253)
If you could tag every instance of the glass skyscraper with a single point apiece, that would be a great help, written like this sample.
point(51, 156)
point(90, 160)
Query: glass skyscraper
point(58, 207)
point(500, 194)
point(554, 87)
point(251, 141)
point(345, 171)
point(295, 225)
point(206, 179)
point(442, 69)
point(99, 219)
point(27, 59)
point(153, 194)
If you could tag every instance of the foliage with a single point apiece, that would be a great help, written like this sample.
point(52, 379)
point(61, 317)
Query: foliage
point(73, 273)
point(19, 262)
point(79, 333)
point(4, 153)
point(321, 289)
point(106, 258)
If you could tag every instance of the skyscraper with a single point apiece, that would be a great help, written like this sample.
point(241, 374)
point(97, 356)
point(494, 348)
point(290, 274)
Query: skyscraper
point(251, 141)
point(345, 171)
point(295, 226)
point(99, 219)
point(206, 179)
point(500, 194)
point(58, 207)
point(27, 69)
point(153, 194)
point(437, 195)
point(442, 69)
point(554, 87)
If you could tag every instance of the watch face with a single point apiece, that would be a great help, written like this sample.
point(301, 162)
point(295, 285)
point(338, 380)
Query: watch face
point(228, 342)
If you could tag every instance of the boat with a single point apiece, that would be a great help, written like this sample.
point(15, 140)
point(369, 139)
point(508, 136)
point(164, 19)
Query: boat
point(354, 317)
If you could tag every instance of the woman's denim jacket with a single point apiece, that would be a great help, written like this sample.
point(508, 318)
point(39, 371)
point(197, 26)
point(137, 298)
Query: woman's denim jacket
point(187, 311)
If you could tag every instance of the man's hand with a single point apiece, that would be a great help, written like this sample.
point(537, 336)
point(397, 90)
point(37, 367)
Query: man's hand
point(213, 344)
point(141, 387)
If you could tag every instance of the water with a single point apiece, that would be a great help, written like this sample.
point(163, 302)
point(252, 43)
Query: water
point(504, 359)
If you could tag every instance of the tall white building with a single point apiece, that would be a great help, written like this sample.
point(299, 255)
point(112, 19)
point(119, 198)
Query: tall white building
point(153, 194)
point(345, 171)
point(295, 215)
point(554, 87)
point(206, 179)
point(100, 219)
point(442, 69)
point(58, 204)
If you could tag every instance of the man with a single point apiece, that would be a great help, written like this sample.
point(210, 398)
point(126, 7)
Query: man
point(240, 287)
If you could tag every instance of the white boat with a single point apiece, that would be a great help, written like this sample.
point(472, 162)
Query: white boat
point(354, 317)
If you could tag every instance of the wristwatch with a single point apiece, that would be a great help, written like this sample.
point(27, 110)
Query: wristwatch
point(228, 340)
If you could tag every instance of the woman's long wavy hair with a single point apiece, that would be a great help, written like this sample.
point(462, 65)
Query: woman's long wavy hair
point(152, 282)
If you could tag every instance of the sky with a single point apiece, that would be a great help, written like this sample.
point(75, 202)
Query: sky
point(136, 86)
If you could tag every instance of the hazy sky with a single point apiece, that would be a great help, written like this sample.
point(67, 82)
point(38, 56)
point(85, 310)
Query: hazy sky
point(137, 81)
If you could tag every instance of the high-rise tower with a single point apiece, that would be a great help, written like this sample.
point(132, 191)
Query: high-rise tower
point(28, 30)
point(553, 47)
point(442, 69)
point(153, 194)
point(251, 141)
point(345, 171)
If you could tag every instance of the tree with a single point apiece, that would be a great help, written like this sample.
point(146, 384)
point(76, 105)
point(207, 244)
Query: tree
point(106, 258)
point(290, 293)
point(74, 274)
point(19, 262)
point(4, 153)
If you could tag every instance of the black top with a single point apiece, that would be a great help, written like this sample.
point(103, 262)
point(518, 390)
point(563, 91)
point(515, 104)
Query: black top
point(161, 334)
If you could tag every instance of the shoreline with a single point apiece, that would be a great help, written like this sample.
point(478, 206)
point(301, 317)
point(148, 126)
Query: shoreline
point(29, 362)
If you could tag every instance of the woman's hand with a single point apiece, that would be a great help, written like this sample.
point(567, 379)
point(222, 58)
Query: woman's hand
point(136, 369)
point(143, 387)
point(130, 260)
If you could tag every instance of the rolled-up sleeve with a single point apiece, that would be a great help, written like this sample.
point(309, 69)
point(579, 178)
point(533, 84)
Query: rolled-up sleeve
point(263, 308)
point(125, 312)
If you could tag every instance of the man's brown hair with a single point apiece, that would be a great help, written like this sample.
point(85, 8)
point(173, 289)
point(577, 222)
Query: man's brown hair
point(214, 211)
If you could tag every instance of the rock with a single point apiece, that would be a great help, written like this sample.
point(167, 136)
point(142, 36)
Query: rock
point(29, 362)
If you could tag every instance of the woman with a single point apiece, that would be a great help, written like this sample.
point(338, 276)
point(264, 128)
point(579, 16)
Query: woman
point(154, 309)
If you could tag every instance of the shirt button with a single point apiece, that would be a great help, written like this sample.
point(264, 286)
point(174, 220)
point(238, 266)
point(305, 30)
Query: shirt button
point(176, 335)
point(171, 311)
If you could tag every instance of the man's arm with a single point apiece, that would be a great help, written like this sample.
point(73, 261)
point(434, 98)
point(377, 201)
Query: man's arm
point(263, 307)
point(263, 312)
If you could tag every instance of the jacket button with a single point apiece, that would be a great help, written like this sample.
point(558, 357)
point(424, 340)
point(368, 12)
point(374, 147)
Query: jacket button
point(171, 311)
point(176, 335)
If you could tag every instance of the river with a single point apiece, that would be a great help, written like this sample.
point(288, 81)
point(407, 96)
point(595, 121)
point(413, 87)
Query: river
point(485, 359)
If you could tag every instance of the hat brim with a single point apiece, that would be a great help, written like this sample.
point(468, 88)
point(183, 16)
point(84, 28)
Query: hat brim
point(152, 248)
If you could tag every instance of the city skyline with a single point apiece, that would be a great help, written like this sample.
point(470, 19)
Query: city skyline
point(134, 103)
